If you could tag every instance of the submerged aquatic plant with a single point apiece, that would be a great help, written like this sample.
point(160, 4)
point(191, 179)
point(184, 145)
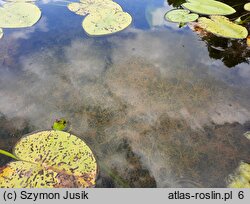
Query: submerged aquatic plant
point(49, 159)
point(106, 22)
point(222, 26)
point(208, 7)
point(181, 16)
point(241, 179)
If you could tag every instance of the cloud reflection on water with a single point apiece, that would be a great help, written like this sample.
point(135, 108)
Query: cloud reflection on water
point(145, 88)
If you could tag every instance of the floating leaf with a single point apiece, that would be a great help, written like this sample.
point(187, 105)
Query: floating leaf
point(59, 124)
point(21, 174)
point(50, 159)
point(241, 179)
point(1, 33)
point(93, 6)
point(247, 6)
point(106, 22)
point(180, 16)
point(221, 26)
point(209, 7)
point(19, 15)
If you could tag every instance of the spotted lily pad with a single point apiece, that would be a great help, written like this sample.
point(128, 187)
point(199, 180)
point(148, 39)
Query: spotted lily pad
point(92, 6)
point(221, 26)
point(181, 16)
point(19, 15)
point(210, 7)
point(1, 33)
point(241, 179)
point(247, 6)
point(106, 22)
point(50, 159)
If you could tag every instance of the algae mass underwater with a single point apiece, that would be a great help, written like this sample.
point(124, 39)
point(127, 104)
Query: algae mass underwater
point(143, 93)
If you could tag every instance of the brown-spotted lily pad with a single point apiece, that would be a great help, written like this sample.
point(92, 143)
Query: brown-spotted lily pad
point(50, 159)
point(106, 22)
point(92, 6)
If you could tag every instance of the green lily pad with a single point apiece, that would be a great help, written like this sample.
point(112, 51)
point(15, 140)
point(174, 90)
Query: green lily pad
point(241, 179)
point(209, 7)
point(92, 6)
point(181, 16)
point(59, 124)
point(221, 26)
point(1, 33)
point(106, 22)
point(50, 159)
point(19, 15)
point(247, 6)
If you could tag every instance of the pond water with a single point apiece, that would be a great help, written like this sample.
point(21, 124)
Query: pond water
point(160, 106)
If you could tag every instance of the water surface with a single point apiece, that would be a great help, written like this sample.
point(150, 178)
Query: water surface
point(160, 106)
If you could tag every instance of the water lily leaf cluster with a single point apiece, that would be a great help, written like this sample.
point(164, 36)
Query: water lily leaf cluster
point(49, 159)
point(216, 23)
point(241, 179)
point(19, 14)
point(103, 16)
